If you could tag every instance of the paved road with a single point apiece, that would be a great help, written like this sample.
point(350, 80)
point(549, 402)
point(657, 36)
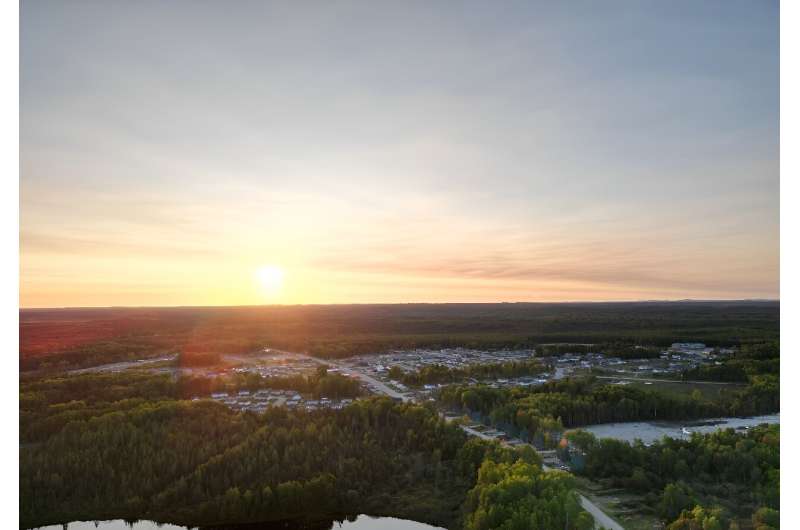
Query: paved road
point(601, 519)
point(375, 383)
point(385, 389)
point(117, 367)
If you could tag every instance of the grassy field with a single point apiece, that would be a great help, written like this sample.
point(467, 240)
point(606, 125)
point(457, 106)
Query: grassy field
point(707, 390)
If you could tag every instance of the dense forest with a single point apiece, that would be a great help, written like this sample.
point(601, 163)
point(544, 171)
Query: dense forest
point(520, 496)
point(124, 446)
point(539, 414)
point(715, 518)
point(48, 404)
point(739, 471)
point(68, 338)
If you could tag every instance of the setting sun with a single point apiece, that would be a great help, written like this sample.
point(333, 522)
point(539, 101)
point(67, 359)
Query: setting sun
point(270, 277)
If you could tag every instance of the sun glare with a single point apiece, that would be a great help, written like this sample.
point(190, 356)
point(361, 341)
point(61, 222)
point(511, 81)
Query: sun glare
point(270, 277)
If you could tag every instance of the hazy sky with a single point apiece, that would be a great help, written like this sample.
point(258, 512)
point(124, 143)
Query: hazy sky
point(397, 151)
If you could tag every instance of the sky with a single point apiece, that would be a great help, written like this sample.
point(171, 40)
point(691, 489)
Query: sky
point(179, 153)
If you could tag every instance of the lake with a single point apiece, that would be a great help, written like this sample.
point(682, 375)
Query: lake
point(654, 431)
point(362, 522)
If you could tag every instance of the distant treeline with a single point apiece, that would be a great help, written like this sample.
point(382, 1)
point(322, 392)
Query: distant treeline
point(96, 353)
point(613, 349)
point(341, 331)
point(627, 351)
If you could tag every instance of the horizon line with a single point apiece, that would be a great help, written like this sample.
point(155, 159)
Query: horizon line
point(521, 302)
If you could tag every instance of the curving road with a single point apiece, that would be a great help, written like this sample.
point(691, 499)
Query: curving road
point(601, 519)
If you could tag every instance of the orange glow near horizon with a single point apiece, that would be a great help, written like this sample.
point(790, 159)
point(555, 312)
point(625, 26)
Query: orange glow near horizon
point(422, 253)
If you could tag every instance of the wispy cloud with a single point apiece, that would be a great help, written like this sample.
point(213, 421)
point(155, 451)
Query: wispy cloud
point(387, 152)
